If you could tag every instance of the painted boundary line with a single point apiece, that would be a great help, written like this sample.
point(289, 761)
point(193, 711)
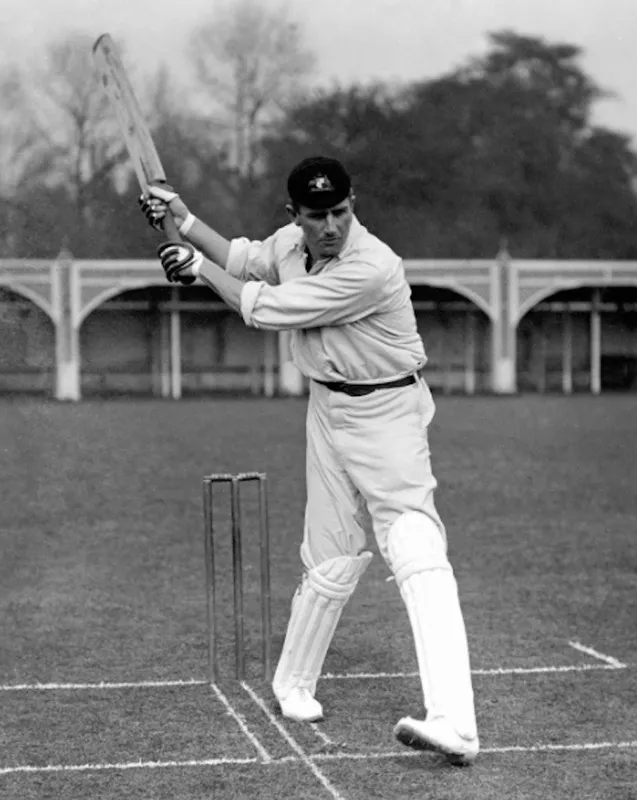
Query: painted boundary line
point(309, 760)
point(293, 744)
point(611, 664)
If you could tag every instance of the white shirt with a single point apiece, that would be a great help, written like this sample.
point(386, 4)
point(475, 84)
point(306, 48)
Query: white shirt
point(351, 316)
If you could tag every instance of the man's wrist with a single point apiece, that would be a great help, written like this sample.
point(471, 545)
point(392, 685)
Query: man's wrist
point(187, 224)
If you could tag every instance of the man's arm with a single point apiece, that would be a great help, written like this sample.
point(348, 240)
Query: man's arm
point(304, 303)
point(349, 293)
point(221, 282)
point(212, 244)
point(245, 259)
point(155, 205)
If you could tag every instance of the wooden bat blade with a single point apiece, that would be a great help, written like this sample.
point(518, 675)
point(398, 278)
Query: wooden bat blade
point(131, 121)
point(132, 124)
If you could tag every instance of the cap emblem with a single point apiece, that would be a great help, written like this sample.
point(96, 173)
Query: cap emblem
point(320, 183)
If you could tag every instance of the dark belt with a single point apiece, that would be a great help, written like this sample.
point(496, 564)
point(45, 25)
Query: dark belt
point(360, 389)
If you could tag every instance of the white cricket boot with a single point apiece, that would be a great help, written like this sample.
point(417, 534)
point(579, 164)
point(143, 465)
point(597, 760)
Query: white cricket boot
point(300, 706)
point(316, 610)
point(418, 557)
point(438, 735)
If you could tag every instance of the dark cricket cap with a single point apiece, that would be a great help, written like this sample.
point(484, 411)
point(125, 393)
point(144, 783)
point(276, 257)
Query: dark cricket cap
point(319, 182)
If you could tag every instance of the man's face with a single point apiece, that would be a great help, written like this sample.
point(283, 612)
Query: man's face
point(325, 230)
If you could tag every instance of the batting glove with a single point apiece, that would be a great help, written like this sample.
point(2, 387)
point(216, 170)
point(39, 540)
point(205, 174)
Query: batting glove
point(154, 203)
point(181, 262)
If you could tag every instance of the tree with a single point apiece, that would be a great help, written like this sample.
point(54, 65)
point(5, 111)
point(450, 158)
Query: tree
point(71, 151)
point(528, 156)
point(78, 131)
point(353, 123)
point(16, 144)
point(249, 63)
point(189, 152)
point(404, 150)
point(503, 147)
point(601, 206)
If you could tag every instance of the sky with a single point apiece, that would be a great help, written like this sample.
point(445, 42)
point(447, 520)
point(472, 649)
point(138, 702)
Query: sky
point(357, 40)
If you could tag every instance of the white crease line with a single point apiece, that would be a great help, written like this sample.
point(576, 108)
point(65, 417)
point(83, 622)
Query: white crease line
point(613, 662)
point(548, 748)
point(322, 736)
point(541, 670)
point(494, 671)
point(221, 762)
point(343, 756)
point(265, 756)
point(36, 687)
point(325, 782)
point(537, 748)
point(208, 762)
point(365, 676)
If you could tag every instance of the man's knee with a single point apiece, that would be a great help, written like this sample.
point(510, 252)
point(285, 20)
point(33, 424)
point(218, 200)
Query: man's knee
point(415, 544)
point(337, 578)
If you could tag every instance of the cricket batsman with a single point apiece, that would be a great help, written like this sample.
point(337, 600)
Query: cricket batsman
point(344, 296)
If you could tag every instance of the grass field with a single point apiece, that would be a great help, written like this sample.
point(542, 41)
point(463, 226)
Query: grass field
point(102, 608)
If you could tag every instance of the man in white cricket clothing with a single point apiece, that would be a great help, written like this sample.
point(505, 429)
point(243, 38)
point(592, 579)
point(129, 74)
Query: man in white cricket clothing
point(344, 296)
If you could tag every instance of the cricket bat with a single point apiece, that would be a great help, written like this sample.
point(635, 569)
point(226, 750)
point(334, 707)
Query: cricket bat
point(133, 126)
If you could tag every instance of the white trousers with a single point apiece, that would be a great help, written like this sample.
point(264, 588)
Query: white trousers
point(367, 457)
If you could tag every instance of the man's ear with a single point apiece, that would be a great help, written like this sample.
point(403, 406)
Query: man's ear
point(352, 200)
point(293, 214)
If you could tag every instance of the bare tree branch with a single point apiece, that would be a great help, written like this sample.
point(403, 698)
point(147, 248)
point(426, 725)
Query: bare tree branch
point(248, 62)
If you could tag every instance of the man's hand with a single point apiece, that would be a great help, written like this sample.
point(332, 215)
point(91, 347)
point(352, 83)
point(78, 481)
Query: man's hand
point(156, 202)
point(181, 261)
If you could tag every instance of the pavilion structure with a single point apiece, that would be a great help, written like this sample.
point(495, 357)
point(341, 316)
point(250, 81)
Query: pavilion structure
point(68, 290)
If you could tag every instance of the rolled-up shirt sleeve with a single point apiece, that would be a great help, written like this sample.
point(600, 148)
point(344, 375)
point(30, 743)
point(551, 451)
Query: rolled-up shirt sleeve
point(249, 294)
point(344, 295)
point(253, 260)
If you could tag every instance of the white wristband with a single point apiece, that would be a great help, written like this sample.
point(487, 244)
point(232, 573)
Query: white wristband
point(197, 264)
point(187, 224)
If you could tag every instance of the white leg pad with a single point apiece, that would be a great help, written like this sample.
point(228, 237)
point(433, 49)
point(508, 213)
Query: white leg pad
point(418, 559)
point(316, 610)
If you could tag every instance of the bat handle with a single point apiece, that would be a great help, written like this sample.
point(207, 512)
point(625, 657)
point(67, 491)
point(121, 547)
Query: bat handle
point(170, 228)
